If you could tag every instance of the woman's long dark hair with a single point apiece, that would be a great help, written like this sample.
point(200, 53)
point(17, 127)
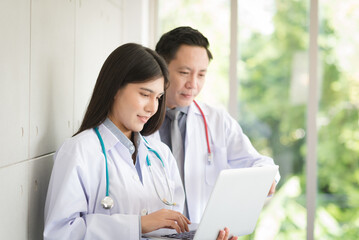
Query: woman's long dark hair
point(129, 63)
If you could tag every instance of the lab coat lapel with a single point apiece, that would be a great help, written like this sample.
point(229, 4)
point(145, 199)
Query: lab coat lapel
point(195, 152)
point(108, 138)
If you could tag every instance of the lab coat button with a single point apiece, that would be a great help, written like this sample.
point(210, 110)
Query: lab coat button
point(144, 212)
point(136, 178)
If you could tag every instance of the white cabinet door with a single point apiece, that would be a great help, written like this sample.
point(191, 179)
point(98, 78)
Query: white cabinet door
point(14, 79)
point(14, 202)
point(39, 172)
point(98, 33)
point(52, 74)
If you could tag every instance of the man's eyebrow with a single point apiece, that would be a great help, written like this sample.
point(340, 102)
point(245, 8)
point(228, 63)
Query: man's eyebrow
point(190, 69)
point(185, 68)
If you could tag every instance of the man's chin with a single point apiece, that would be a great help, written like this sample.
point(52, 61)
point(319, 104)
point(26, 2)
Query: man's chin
point(185, 103)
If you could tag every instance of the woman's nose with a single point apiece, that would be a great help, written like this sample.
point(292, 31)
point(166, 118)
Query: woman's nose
point(152, 105)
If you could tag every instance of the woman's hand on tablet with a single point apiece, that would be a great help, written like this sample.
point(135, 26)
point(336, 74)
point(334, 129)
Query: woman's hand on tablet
point(164, 218)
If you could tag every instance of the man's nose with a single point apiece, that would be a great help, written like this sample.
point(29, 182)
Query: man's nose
point(192, 81)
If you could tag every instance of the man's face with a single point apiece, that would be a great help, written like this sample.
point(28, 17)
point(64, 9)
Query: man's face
point(187, 72)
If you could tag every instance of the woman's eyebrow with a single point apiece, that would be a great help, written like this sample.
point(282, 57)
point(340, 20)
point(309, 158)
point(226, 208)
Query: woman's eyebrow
point(151, 91)
point(147, 89)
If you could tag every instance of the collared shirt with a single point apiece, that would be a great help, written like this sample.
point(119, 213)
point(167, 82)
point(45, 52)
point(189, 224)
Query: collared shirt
point(126, 142)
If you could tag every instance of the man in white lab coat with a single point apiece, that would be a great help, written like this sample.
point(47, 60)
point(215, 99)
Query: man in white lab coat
point(200, 158)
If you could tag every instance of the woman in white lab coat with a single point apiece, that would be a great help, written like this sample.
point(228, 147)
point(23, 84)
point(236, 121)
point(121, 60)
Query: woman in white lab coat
point(127, 104)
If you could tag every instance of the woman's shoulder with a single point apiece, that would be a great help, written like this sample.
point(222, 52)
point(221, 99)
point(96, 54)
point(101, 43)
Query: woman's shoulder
point(81, 143)
point(83, 138)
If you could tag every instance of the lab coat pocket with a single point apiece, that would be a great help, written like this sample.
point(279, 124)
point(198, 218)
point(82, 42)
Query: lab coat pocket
point(218, 163)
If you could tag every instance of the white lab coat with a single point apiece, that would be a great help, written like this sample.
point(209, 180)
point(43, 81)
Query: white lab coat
point(78, 184)
point(230, 147)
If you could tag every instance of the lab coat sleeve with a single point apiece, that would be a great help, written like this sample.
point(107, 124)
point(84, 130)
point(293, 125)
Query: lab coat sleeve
point(68, 215)
point(240, 151)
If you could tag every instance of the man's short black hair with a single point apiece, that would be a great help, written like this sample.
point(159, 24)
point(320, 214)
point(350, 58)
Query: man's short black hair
point(171, 41)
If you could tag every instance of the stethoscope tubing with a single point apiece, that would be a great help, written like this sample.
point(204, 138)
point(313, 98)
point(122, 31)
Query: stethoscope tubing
point(205, 128)
point(104, 153)
point(165, 201)
point(107, 202)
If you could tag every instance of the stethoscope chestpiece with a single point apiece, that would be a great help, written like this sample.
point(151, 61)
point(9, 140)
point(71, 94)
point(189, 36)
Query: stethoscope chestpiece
point(107, 202)
point(164, 200)
point(209, 159)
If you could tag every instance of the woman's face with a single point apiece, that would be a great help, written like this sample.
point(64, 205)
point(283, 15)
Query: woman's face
point(135, 103)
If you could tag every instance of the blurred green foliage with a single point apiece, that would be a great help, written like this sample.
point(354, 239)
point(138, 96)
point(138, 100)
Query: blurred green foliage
point(271, 119)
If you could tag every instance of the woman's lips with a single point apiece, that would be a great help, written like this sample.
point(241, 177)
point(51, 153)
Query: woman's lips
point(143, 119)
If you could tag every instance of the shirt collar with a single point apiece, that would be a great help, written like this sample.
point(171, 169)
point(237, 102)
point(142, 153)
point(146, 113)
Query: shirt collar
point(181, 109)
point(122, 137)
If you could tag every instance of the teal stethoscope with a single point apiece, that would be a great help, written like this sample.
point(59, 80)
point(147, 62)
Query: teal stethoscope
point(107, 202)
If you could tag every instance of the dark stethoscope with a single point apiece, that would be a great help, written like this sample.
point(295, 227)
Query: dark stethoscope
point(107, 201)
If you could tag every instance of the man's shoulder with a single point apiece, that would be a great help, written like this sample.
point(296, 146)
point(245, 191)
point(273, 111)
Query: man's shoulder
point(210, 111)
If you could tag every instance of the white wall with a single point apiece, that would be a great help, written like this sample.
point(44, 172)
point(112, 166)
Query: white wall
point(51, 52)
